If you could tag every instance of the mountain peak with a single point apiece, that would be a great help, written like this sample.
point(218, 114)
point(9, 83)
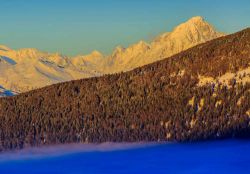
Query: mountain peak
point(96, 53)
point(196, 29)
point(28, 52)
point(141, 45)
point(4, 48)
point(196, 19)
point(194, 23)
point(118, 50)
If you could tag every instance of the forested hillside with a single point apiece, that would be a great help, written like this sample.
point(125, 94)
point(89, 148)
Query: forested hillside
point(158, 102)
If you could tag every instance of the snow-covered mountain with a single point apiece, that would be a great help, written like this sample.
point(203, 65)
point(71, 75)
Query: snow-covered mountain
point(186, 35)
point(26, 69)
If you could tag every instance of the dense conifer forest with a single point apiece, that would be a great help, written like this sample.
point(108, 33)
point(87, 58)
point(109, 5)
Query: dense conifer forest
point(157, 102)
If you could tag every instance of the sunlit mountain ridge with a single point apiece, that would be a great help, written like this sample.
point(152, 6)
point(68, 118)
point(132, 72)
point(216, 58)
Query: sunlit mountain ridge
point(29, 68)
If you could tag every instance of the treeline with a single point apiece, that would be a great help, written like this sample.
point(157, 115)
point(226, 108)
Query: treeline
point(157, 102)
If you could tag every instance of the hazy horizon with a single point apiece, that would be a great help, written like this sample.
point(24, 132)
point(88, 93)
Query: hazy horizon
point(79, 27)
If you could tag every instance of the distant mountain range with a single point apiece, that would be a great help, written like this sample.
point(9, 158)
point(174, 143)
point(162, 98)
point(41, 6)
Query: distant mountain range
point(26, 69)
point(199, 94)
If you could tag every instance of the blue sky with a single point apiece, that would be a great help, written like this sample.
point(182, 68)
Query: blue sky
point(79, 26)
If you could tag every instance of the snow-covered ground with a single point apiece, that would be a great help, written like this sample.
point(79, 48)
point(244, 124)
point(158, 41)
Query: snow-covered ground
point(241, 76)
point(6, 93)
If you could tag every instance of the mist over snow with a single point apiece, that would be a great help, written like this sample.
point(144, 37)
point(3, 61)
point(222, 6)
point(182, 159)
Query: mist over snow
point(61, 150)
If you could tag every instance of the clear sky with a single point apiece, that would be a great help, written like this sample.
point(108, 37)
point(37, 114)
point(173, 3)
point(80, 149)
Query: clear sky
point(76, 27)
